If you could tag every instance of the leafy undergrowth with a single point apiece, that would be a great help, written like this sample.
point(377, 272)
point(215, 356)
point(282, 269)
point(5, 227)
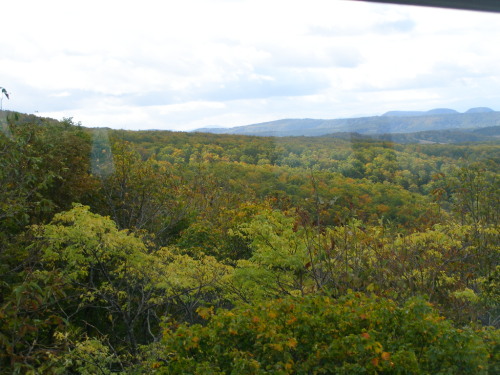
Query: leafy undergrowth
point(354, 334)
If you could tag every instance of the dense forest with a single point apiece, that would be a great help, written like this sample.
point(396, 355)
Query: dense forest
point(134, 252)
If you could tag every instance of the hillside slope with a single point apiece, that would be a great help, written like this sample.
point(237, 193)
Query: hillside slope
point(366, 125)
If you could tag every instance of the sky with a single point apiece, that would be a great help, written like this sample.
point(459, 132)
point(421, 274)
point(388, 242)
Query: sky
point(183, 65)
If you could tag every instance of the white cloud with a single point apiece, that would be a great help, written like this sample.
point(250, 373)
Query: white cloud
point(179, 65)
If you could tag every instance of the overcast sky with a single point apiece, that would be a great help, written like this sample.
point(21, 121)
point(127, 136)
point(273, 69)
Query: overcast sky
point(187, 64)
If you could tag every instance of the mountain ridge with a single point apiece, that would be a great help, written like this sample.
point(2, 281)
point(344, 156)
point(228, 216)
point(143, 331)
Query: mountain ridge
point(435, 119)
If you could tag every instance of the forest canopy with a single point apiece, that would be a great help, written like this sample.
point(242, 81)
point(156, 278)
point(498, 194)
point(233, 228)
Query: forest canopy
point(169, 252)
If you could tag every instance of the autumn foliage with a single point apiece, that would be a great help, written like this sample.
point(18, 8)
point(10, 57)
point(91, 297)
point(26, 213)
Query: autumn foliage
point(143, 252)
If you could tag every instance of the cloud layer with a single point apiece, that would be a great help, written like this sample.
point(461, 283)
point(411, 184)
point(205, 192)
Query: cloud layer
point(183, 65)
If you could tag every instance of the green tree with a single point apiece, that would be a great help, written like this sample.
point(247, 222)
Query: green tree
point(354, 334)
point(141, 195)
point(114, 284)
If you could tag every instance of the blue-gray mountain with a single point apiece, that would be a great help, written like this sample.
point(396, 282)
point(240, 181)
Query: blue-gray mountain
point(436, 111)
point(390, 122)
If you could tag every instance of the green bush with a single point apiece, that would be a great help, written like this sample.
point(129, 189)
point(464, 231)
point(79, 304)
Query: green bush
point(354, 334)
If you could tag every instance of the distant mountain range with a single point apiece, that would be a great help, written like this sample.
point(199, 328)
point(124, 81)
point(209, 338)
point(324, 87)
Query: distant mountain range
point(437, 111)
point(389, 123)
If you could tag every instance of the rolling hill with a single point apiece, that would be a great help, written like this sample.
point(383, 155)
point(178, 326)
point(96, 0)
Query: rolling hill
point(390, 122)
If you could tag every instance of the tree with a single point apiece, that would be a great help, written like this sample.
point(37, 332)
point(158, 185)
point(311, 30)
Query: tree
point(140, 195)
point(115, 283)
point(354, 334)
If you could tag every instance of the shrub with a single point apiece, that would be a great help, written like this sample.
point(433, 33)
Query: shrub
point(355, 334)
